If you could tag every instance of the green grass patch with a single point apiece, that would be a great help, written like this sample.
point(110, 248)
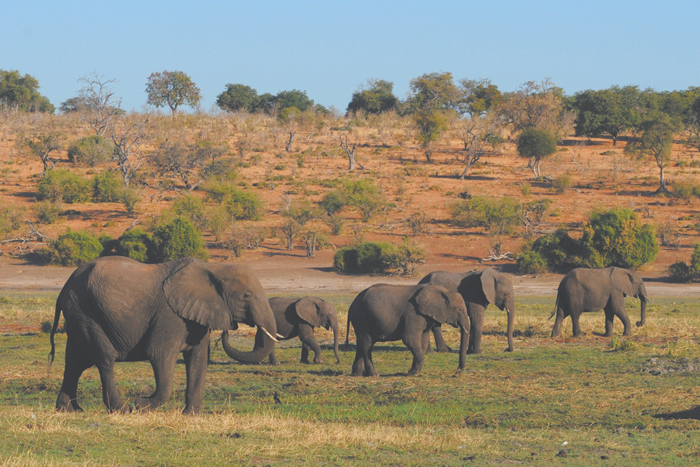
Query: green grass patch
point(565, 401)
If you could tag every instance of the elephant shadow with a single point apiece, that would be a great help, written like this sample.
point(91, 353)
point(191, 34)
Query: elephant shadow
point(690, 414)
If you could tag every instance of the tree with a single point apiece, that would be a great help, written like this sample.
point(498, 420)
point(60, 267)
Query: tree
point(657, 143)
point(293, 98)
point(97, 103)
point(431, 125)
point(172, 88)
point(375, 97)
point(478, 97)
point(127, 140)
point(21, 93)
point(187, 162)
point(536, 105)
point(238, 97)
point(536, 144)
point(608, 111)
point(42, 145)
point(477, 132)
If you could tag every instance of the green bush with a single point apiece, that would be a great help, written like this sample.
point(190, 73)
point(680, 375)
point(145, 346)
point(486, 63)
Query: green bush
point(92, 150)
point(63, 185)
point(47, 212)
point(333, 202)
point(562, 183)
point(365, 258)
point(406, 257)
point(685, 191)
point(177, 239)
point(499, 216)
point(682, 272)
point(532, 262)
point(135, 244)
point(74, 248)
point(107, 187)
point(345, 260)
point(617, 238)
point(244, 205)
point(11, 218)
point(190, 207)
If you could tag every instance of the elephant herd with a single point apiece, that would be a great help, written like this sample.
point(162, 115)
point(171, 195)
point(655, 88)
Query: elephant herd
point(120, 310)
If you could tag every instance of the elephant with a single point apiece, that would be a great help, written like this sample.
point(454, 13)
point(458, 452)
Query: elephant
point(478, 290)
point(298, 317)
point(384, 312)
point(119, 310)
point(583, 290)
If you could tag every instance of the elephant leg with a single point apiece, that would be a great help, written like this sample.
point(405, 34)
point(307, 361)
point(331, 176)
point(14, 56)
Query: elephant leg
point(110, 393)
point(620, 312)
point(164, 372)
point(273, 358)
point(556, 330)
point(358, 365)
point(575, 324)
point(440, 344)
point(417, 345)
point(609, 317)
point(67, 400)
point(369, 363)
point(196, 365)
point(306, 335)
point(363, 356)
point(304, 353)
point(476, 328)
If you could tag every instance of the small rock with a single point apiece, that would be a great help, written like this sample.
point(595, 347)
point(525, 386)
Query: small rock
point(604, 458)
point(561, 453)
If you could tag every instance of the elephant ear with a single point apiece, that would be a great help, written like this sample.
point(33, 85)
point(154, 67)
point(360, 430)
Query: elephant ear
point(488, 284)
point(432, 301)
point(308, 311)
point(195, 293)
point(623, 280)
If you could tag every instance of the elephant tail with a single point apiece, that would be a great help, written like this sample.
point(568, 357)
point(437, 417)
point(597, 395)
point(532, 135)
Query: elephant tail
point(556, 307)
point(56, 318)
point(347, 332)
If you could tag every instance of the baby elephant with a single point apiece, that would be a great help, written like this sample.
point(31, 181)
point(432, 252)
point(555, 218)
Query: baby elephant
point(408, 313)
point(298, 317)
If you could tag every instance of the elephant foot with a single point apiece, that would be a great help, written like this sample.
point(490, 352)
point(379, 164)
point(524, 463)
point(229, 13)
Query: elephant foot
point(507, 349)
point(318, 360)
point(65, 404)
point(337, 361)
point(413, 372)
point(274, 362)
point(145, 404)
point(191, 411)
point(445, 349)
point(639, 324)
point(473, 352)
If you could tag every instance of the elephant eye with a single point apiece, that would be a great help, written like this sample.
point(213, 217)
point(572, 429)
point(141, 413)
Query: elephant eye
point(246, 296)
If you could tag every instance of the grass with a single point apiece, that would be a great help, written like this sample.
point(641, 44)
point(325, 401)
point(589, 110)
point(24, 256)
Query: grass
point(569, 401)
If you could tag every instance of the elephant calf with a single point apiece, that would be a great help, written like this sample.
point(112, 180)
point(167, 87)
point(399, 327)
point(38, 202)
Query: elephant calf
point(298, 317)
point(583, 290)
point(385, 313)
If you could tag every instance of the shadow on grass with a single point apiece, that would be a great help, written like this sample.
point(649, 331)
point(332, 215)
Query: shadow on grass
point(690, 414)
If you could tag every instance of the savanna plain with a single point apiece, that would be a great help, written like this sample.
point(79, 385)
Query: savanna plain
point(593, 400)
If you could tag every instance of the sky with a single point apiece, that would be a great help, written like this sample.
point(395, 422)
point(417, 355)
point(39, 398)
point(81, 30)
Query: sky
point(331, 48)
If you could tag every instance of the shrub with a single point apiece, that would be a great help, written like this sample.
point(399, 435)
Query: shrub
point(244, 205)
point(682, 272)
point(92, 150)
point(135, 244)
point(617, 238)
point(107, 188)
point(562, 183)
point(499, 216)
point(684, 191)
point(130, 198)
point(345, 260)
point(47, 212)
point(74, 248)
point(189, 207)
point(301, 213)
point(177, 239)
point(406, 257)
point(11, 218)
point(63, 185)
point(333, 202)
point(532, 262)
point(366, 258)
point(336, 223)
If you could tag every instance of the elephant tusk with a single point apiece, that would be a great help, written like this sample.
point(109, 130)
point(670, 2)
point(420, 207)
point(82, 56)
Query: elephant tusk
point(280, 336)
point(507, 310)
point(268, 334)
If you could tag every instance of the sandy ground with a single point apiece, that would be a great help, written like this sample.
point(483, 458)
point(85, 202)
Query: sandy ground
point(280, 275)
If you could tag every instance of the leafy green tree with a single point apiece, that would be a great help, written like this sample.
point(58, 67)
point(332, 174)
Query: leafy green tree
point(238, 97)
point(617, 238)
point(499, 216)
point(537, 105)
point(682, 272)
point(478, 97)
point(172, 88)
point(657, 143)
point(177, 239)
point(374, 98)
point(608, 111)
point(535, 145)
point(431, 125)
point(42, 145)
point(21, 93)
point(293, 98)
point(74, 248)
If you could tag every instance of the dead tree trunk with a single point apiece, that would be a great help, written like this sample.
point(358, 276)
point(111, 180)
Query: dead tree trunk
point(350, 153)
point(472, 156)
point(288, 148)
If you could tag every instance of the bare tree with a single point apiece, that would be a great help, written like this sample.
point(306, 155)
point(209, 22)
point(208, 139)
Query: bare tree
point(349, 152)
point(98, 102)
point(187, 162)
point(127, 146)
point(477, 132)
point(42, 145)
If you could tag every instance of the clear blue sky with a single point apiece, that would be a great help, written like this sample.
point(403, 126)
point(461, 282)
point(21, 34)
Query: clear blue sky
point(329, 48)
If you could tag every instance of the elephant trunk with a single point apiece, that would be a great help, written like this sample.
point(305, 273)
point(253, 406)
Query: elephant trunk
point(510, 311)
point(336, 337)
point(463, 344)
point(643, 316)
point(263, 318)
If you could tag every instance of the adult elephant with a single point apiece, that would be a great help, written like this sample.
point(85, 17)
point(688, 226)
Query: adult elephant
point(478, 290)
point(583, 290)
point(120, 310)
point(298, 317)
point(386, 312)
